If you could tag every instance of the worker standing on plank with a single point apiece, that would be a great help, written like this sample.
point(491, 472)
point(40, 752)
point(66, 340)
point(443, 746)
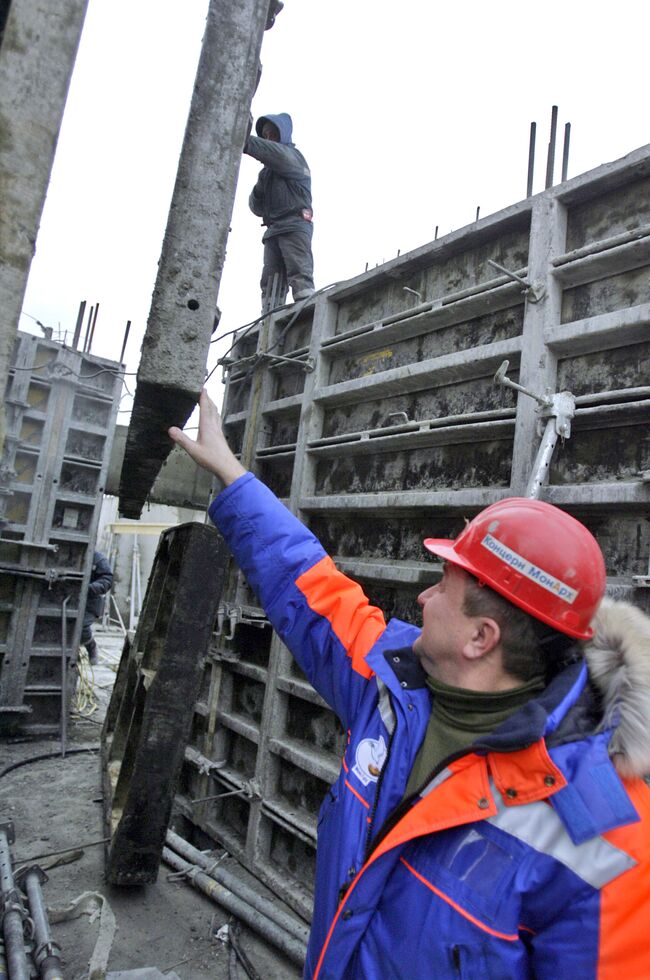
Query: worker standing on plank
point(282, 198)
point(490, 818)
point(101, 579)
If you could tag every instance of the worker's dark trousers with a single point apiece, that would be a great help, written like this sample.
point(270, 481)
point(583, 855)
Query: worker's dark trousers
point(289, 257)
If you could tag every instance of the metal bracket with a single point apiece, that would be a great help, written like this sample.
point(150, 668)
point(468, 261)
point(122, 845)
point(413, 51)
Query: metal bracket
point(558, 410)
point(235, 615)
point(30, 544)
point(533, 294)
point(7, 828)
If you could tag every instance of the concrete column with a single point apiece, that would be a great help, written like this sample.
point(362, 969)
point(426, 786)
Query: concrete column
point(37, 56)
point(176, 343)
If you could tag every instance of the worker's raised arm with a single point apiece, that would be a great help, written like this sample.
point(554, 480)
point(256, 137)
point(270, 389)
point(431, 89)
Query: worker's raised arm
point(282, 158)
point(210, 450)
point(323, 617)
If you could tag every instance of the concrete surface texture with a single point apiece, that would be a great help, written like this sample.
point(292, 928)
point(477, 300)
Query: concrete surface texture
point(55, 806)
point(37, 55)
point(175, 346)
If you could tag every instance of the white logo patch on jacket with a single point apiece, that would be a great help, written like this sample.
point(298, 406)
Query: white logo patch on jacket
point(369, 759)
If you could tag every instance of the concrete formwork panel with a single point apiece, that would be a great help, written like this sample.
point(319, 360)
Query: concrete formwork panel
point(388, 428)
point(61, 410)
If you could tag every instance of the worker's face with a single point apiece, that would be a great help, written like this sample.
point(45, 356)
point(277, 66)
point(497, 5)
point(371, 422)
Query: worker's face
point(445, 627)
point(270, 132)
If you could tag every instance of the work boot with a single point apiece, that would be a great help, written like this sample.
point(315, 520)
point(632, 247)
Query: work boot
point(302, 294)
point(91, 650)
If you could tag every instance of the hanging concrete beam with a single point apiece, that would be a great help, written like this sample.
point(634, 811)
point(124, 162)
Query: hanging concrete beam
point(176, 343)
point(37, 55)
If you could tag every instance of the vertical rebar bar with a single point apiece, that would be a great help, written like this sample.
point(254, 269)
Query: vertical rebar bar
point(79, 324)
point(126, 337)
point(550, 162)
point(92, 329)
point(87, 334)
point(565, 151)
point(531, 158)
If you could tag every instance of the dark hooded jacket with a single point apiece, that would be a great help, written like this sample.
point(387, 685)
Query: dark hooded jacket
point(283, 188)
point(101, 579)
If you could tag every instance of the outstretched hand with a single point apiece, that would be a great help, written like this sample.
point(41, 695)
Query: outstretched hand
point(210, 450)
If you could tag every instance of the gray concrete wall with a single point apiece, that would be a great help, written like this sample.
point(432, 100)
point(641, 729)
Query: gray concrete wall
point(37, 56)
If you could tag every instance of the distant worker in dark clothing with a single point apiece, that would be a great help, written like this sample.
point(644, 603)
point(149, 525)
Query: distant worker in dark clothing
point(282, 199)
point(101, 579)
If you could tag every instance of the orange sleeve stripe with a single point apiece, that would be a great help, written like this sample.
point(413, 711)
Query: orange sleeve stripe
point(481, 925)
point(624, 950)
point(356, 623)
point(358, 795)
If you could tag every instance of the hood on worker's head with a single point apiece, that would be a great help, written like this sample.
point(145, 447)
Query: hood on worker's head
point(283, 123)
point(618, 658)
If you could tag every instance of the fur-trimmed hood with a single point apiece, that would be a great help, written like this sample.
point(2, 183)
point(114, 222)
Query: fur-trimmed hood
point(618, 658)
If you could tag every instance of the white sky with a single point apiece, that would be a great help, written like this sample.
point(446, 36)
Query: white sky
point(410, 114)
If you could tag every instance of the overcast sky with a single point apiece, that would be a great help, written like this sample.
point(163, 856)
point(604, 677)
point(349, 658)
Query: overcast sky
point(410, 114)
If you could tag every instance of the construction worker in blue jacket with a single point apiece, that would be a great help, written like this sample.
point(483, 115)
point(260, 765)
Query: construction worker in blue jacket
point(282, 198)
point(491, 817)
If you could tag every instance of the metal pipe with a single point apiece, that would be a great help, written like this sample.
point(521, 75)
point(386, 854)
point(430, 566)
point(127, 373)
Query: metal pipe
point(12, 921)
point(565, 151)
point(550, 161)
point(79, 324)
point(297, 929)
point(291, 947)
point(46, 953)
point(531, 158)
point(539, 475)
point(64, 676)
point(126, 337)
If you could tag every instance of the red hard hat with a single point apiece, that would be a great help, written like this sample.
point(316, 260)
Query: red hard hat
point(538, 557)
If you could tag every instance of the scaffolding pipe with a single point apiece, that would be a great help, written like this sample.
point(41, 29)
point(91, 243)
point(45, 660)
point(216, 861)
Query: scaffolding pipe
point(291, 947)
point(46, 951)
point(12, 920)
point(238, 888)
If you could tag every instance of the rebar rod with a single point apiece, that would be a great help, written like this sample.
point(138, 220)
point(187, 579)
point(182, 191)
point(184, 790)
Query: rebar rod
point(297, 929)
point(550, 162)
point(531, 159)
point(79, 324)
point(565, 151)
point(289, 945)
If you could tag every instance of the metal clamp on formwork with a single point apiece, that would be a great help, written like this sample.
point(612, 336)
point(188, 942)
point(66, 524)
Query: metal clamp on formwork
point(307, 363)
point(557, 410)
point(236, 615)
point(533, 294)
point(642, 581)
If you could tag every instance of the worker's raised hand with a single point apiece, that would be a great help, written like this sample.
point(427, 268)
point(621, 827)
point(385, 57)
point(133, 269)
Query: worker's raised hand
point(210, 450)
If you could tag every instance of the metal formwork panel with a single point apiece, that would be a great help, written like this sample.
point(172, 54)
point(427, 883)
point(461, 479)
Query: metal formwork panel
point(373, 412)
point(61, 407)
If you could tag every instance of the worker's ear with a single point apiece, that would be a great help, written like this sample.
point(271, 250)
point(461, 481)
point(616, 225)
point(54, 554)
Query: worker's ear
point(483, 638)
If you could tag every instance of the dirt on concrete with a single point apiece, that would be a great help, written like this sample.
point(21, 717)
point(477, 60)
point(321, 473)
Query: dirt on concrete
point(55, 805)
